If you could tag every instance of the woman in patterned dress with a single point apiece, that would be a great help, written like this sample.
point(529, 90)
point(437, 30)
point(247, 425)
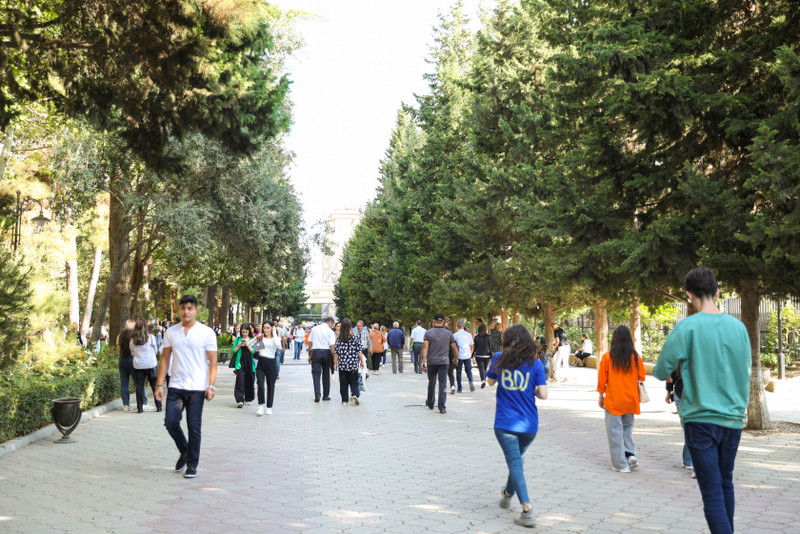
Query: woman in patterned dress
point(347, 358)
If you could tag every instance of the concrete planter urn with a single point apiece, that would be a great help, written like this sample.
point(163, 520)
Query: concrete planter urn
point(66, 416)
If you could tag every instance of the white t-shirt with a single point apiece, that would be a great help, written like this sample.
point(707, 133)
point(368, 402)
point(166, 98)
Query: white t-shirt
point(464, 342)
point(322, 337)
point(189, 363)
point(587, 346)
point(271, 344)
point(144, 356)
point(418, 334)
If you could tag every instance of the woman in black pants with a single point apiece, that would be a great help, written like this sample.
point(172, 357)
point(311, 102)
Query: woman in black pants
point(483, 352)
point(266, 368)
point(347, 358)
point(244, 368)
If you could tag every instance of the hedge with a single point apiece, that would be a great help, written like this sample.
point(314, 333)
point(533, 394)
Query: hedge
point(25, 407)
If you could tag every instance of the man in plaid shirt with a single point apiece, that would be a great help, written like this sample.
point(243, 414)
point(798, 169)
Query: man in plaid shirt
point(366, 343)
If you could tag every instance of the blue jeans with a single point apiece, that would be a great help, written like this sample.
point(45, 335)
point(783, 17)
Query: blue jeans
point(713, 449)
point(515, 445)
point(298, 348)
point(126, 371)
point(278, 359)
point(687, 458)
point(192, 401)
point(464, 364)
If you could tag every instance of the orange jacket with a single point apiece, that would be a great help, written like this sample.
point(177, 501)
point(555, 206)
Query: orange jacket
point(621, 389)
point(377, 340)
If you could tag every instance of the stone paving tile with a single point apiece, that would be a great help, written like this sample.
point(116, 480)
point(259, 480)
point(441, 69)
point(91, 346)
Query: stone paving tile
point(389, 465)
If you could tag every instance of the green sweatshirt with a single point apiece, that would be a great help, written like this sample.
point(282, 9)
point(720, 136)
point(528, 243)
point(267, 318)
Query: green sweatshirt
point(714, 353)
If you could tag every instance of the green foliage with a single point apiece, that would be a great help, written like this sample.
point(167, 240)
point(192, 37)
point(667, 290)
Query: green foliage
point(790, 328)
point(224, 340)
point(14, 307)
point(654, 321)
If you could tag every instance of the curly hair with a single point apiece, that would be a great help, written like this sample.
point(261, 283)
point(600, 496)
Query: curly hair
point(518, 348)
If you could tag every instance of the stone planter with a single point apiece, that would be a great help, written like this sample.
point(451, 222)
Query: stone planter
point(66, 416)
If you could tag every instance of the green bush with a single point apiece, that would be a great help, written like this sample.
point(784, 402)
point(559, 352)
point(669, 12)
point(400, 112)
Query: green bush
point(791, 337)
point(224, 340)
point(25, 402)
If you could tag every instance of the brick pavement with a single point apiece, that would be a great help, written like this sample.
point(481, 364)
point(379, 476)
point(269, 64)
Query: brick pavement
point(389, 465)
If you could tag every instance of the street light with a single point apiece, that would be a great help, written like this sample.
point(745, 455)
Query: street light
point(40, 220)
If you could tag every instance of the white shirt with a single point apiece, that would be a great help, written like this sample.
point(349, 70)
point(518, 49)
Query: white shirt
point(587, 346)
point(189, 363)
point(418, 334)
point(464, 342)
point(271, 344)
point(322, 337)
point(144, 356)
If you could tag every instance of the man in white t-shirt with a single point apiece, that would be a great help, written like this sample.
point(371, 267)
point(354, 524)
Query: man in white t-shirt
point(320, 355)
point(417, 340)
point(190, 351)
point(465, 348)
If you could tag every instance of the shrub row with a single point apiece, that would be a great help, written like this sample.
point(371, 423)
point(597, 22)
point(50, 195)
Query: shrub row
point(25, 407)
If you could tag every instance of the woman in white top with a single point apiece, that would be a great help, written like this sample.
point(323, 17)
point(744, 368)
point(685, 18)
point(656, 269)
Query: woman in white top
point(267, 367)
point(145, 363)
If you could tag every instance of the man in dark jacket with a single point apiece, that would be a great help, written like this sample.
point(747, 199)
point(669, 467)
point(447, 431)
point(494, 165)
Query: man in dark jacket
point(397, 341)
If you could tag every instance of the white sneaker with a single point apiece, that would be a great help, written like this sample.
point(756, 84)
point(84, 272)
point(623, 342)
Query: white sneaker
point(239, 404)
point(633, 463)
point(269, 411)
point(621, 470)
point(452, 390)
point(126, 408)
point(149, 408)
point(260, 410)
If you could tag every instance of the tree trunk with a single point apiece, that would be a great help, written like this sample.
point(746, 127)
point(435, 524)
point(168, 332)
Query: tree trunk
point(635, 324)
point(600, 328)
point(516, 317)
point(504, 318)
point(119, 246)
point(549, 321)
point(102, 307)
point(211, 292)
point(172, 296)
point(757, 412)
point(453, 322)
point(226, 306)
point(146, 297)
point(72, 279)
point(87, 311)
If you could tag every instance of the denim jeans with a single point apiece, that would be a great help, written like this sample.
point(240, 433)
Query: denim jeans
point(687, 458)
point(619, 429)
point(483, 365)
point(437, 372)
point(464, 364)
point(278, 360)
point(126, 371)
point(713, 449)
point(192, 402)
point(321, 365)
point(515, 445)
point(298, 349)
point(416, 354)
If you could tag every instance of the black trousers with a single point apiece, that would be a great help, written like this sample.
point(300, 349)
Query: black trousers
point(376, 360)
point(437, 372)
point(141, 376)
point(321, 368)
point(451, 373)
point(267, 371)
point(348, 379)
point(483, 365)
point(244, 390)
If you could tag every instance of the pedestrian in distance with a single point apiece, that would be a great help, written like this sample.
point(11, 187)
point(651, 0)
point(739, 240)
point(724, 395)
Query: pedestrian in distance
point(483, 352)
point(713, 351)
point(561, 354)
point(191, 349)
point(520, 378)
point(366, 344)
point(396, 339)
point(244, 366)
point(299, 341)
point(320, 355)
point(465, 349)
point(384, 331)
point(347, 359)
point(585, 352)
point(618, 376)
point(416, 340)
point(266, 368)
point(437, 346)
point(144, 348)
point(674, 394)
point(125, 363)
point(378, 351)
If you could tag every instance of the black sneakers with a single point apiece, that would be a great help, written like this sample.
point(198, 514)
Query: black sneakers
point(181, 462)
point(191, 472)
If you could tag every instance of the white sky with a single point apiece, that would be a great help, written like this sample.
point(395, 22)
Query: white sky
point(361, 61)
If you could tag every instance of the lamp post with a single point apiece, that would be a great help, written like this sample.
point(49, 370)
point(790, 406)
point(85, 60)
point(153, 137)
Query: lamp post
point(40, 220)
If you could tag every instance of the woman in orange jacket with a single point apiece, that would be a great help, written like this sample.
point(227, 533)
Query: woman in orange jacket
point(618, 377)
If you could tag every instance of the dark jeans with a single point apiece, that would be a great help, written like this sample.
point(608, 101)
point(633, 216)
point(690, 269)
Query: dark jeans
point(416, 354)
point(244, 390)
point(713, 449)
point(483, 365)
point(266, 370)
point(321, 366)
point(192, 402)
point(437, 372)
point(467, 364)
point(348, 379)
point(126, 371)
point(143, 375)
point(451, 373)
point(376, 360)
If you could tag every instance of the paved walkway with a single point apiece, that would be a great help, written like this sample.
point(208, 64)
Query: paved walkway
point(389, 465)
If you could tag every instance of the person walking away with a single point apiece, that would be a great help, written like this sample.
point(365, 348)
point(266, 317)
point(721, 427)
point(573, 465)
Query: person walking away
point(496, 337)
point(244, 367)
point(714, 353)
point(585, 352)
point(191, 348)
point(143, 347)
point(396, 339)
point(378, 351)
point(618, 376)
point(385, 345)
point(465, 349)
point(674, 392)
point(125, 366)
point(416, 340)
point(544, 356)
point(561, 358)
point(436, 347)
point(347, 358)
point(266, 368)
point(520, 378)
point(483, 352)
point(320, 356)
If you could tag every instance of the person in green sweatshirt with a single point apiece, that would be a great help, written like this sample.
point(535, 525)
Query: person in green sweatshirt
point(713, 350)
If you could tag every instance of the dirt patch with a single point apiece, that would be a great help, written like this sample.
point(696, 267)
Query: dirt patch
point(778, 427)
